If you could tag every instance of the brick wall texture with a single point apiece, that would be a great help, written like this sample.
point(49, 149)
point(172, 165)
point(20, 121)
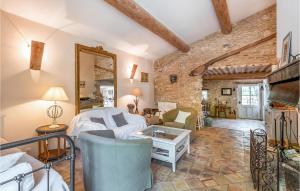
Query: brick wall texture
point(187, 90)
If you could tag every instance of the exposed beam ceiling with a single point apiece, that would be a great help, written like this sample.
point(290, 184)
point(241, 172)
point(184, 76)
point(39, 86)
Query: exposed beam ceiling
point(238, 72)
point(141, 16)
point(238, 76)
point(102, 68)
point(222, 13)
point(202, 68)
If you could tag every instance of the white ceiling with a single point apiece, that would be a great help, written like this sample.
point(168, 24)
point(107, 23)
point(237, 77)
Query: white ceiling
point(95, 19)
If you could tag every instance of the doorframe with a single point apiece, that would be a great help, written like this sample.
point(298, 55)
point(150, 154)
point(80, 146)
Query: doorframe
point(261, 99)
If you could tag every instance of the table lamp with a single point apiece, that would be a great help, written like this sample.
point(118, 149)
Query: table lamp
point(55, 111)
point(137, 93)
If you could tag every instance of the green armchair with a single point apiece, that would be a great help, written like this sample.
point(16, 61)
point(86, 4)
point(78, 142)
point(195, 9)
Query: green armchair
point(111, 164)
point(190, 122)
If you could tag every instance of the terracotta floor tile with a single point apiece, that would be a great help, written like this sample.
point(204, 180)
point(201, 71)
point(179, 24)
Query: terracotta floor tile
point(166, 186)
point(210, 183)
point(218, 188)
point(236, 187)
point(221, 180)
point(181, 185)
point(219, 161)
point(195, 183)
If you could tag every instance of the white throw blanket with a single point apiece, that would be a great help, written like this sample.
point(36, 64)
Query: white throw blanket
point(26, 163)
point(56, 183)
point(82, 122)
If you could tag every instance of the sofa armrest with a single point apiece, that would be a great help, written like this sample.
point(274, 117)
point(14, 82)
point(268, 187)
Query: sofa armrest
point(136, 119)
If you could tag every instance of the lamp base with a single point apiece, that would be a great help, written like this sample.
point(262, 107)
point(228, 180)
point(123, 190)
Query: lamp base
point(53, 126)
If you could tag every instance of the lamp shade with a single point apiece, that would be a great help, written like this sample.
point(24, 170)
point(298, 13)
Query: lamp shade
point(136, 92)
point(55, 94)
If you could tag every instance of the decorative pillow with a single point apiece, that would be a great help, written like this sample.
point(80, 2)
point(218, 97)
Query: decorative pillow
point(98, 120)
point(9, 160)
point(181, 117)
point(120, 120)
point(27, 183)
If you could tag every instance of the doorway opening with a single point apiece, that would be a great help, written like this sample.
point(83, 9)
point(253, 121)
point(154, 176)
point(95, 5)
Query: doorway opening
point(249, 101)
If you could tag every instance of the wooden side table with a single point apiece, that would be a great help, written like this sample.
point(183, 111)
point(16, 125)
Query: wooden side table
point(45, 154)
point(153, 120)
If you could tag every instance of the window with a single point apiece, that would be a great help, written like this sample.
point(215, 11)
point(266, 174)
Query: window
point(250, 95)
point(204, 95)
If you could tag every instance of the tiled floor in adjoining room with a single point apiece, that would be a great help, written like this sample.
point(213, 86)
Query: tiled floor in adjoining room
point(219, 160)
point(238, 124)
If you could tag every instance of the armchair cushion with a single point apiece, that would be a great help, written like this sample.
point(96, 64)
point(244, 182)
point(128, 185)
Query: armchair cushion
point(181, 116)
point(175, 124)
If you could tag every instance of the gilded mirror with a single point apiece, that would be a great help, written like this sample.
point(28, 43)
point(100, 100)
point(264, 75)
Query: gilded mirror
point(95, 78)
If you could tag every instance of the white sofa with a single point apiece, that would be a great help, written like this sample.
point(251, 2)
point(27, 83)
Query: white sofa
point(82, 122)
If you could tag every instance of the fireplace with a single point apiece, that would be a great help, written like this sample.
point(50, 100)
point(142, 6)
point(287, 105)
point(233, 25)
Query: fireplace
point(284, 105)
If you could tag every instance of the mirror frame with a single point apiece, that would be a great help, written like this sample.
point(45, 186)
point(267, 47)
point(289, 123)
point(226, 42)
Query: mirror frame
point(98, 51)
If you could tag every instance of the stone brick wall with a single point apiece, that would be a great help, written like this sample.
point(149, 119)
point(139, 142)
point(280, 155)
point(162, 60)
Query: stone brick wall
point(187, 90)
point(214, 93)
point(102, 74)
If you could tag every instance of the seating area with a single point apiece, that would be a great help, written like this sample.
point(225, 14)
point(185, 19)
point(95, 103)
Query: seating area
point(183, 118)
point(116, 119)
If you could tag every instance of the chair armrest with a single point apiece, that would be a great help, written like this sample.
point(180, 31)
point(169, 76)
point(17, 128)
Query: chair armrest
point(191, 122)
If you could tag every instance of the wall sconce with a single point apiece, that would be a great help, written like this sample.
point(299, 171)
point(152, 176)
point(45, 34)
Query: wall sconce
point(37, 50)
point(133, 70)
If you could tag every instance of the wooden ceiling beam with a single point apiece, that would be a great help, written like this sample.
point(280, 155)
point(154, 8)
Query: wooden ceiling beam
point(240, 76)
point(222, 13)
point(102, 68)
point(141, 16)
point(202, 68)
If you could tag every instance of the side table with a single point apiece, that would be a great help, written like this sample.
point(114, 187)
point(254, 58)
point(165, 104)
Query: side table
point(153, 120)
point(45, 154)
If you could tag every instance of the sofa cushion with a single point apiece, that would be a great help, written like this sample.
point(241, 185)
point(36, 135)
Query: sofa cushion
point(181, 116)
point(174, 124)
point(120, 119)
point(98, 120)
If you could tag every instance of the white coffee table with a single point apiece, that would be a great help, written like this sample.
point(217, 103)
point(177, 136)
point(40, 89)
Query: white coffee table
point(169, 144)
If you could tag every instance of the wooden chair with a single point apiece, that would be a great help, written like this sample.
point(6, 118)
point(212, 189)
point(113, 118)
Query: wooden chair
point(222, 109)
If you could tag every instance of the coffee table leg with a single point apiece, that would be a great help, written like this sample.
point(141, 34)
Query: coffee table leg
point(174, 166)
point(173, 158)
point(188, 144)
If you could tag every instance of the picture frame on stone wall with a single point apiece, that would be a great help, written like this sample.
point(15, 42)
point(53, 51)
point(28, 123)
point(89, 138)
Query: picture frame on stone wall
point(82, 84)
point(286, 50)
point(173, 78)
point(144, 77)
point(226, 91)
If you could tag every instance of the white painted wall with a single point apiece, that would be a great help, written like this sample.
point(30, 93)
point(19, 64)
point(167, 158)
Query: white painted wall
point(288, 19)
point(1, 129)
point(22, 88)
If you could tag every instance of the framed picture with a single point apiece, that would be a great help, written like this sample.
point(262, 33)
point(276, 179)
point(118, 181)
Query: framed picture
point(286, 49)
point(144, 77)
point(82, 84)
point(226, 91)
point(173, 78)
